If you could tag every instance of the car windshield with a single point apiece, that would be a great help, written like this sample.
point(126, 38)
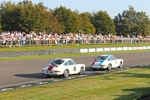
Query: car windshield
point(57, 61)
point(100, 58)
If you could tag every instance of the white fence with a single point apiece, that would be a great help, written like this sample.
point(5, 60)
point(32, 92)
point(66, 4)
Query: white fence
point(86, 50)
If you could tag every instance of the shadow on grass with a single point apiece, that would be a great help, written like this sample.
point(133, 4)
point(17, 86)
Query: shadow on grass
point(138, 75)
point(136, 93)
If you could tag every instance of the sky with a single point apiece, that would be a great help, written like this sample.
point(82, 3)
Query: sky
point(112, 7)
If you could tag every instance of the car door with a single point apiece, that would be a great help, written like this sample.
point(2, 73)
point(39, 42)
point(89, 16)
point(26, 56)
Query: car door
point(72, 67)
point(113, 61)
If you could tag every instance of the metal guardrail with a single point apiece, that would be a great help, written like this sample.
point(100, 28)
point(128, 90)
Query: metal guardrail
point(19, 43)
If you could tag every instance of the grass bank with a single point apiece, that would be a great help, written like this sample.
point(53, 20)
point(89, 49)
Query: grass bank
point(68, 55)
point(121, 85)
point(11, 49)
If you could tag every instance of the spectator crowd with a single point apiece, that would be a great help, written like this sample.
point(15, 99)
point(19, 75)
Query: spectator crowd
point(21, 38)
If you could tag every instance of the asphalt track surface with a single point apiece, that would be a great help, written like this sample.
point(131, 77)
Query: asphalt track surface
point(25, 71)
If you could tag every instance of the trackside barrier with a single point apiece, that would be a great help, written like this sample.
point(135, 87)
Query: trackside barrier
point(86, 50)
point(69, 50)
point(59, 42)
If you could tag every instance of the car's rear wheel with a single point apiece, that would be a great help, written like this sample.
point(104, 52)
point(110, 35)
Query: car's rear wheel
point(81, 71)
point(94, 69)
point(66, 73)
point(109, 67)
point(120, 65)
point(48, 76)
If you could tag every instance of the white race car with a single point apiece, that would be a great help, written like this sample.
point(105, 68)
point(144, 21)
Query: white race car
point(107, 61)
point(63, 66)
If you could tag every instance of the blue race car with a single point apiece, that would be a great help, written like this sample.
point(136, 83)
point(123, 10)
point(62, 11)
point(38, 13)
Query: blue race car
point(107, 61)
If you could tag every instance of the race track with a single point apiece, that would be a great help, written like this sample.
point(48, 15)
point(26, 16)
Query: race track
point(24, 71)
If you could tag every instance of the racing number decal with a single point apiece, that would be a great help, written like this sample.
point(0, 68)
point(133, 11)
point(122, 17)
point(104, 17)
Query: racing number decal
point(116, 63)
point(74, 68)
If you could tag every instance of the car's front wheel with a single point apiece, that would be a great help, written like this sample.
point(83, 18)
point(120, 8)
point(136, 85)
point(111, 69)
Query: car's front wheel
point(81, 71)
point(120, 65)
point(109, 67)
point(66, 73)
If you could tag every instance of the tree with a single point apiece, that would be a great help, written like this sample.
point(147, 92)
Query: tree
point(9, 16)
point(103, 23)
point(131, 21)
point(143, 24)
point(67, 19)
point(85, 24)
point(1, 28)
point(0, 25)
point(33, 17)
point(25, 16)
point(53, 24)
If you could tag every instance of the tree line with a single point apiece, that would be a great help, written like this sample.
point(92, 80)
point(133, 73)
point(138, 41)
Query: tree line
point(26, 17)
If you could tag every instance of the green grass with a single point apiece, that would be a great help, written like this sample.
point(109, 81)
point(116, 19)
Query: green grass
point(121, 85)
point(12, 49)
point(68, 55)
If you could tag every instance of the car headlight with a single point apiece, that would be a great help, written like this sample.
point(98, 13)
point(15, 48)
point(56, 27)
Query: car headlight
point(103, 66)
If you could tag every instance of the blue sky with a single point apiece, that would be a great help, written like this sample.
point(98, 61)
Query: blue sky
point(113, 7)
